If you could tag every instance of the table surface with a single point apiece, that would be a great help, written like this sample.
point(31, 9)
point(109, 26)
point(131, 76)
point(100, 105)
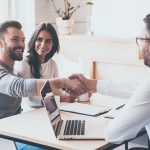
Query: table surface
point(34, 126)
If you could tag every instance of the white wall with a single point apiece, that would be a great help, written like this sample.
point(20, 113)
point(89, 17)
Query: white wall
point(90, 48)
point(119, 18)
point(44, 11)
point(24, 12)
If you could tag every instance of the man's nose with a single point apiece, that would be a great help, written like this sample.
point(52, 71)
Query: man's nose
point(21, 43)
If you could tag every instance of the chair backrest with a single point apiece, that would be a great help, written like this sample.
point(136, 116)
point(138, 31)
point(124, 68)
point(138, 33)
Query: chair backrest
point(7, 144)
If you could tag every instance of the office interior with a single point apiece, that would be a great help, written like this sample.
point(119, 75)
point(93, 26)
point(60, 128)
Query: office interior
point(102, 44)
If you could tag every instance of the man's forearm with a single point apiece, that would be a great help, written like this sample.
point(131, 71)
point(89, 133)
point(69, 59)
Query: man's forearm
point(55, 83)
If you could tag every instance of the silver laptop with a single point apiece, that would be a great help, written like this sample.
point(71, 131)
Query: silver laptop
point(70, 129)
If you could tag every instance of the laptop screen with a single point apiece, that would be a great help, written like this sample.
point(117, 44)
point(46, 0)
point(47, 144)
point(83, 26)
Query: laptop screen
point(51, 106)
point(53, 112)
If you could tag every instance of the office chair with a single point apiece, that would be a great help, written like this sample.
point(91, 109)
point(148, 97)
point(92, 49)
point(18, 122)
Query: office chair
point(138, 148)
point(141, 148)
point(7, 144)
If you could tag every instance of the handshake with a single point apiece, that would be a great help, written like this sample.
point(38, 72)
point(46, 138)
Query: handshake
point(77, 85)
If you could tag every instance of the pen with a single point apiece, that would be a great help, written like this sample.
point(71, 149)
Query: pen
point(120, 107)
point(108, 117)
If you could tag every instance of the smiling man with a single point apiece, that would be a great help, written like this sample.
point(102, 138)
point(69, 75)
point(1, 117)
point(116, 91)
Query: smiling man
point(13, 88)
point(12, 41)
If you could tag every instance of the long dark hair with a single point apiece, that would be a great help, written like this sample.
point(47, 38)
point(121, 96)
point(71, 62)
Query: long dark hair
point(33, 58)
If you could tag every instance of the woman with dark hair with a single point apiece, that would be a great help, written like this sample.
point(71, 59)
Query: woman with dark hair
point(42, 46)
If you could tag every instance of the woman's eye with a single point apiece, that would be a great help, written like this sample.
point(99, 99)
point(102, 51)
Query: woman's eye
point(39, 40)
point(49, 41)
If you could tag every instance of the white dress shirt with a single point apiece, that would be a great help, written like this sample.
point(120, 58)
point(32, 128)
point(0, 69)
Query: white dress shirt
point(136, 113)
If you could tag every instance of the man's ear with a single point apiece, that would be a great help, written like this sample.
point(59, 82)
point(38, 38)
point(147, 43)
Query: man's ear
point(1, 43)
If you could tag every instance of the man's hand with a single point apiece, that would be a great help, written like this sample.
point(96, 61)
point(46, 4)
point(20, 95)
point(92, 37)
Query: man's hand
point(88, 83)
point(75, 87)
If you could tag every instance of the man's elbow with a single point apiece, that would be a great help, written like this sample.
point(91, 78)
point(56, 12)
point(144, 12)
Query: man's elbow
point(112, 136)
point(109, 136)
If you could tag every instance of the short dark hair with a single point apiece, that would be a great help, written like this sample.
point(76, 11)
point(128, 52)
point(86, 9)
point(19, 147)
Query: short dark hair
point(7, 24)
point(33, 58)
point(147, 21)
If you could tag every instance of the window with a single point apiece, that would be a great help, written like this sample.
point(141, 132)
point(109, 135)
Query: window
point(3, 10)
point(118, 18)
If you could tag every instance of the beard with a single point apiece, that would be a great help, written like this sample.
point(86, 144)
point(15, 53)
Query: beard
point(147, 61)
point(16, 53)
point(146, 56)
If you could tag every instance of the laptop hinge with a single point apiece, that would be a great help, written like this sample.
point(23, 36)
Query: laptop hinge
point(58, 128)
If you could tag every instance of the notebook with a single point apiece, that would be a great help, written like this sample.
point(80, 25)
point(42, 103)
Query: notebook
point(85, 109)
point(70, 129)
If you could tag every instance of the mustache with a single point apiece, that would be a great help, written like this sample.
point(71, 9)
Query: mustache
point(18, 48)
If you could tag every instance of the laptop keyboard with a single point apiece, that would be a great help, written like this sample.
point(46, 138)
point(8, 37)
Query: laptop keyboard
point(74, 127)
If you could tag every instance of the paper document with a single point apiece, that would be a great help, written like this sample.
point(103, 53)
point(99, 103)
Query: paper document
point(85, 109)
point(114, 112)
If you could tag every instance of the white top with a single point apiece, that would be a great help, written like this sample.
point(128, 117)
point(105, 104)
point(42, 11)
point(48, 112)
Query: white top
point(136, 113)
point(48, 70)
